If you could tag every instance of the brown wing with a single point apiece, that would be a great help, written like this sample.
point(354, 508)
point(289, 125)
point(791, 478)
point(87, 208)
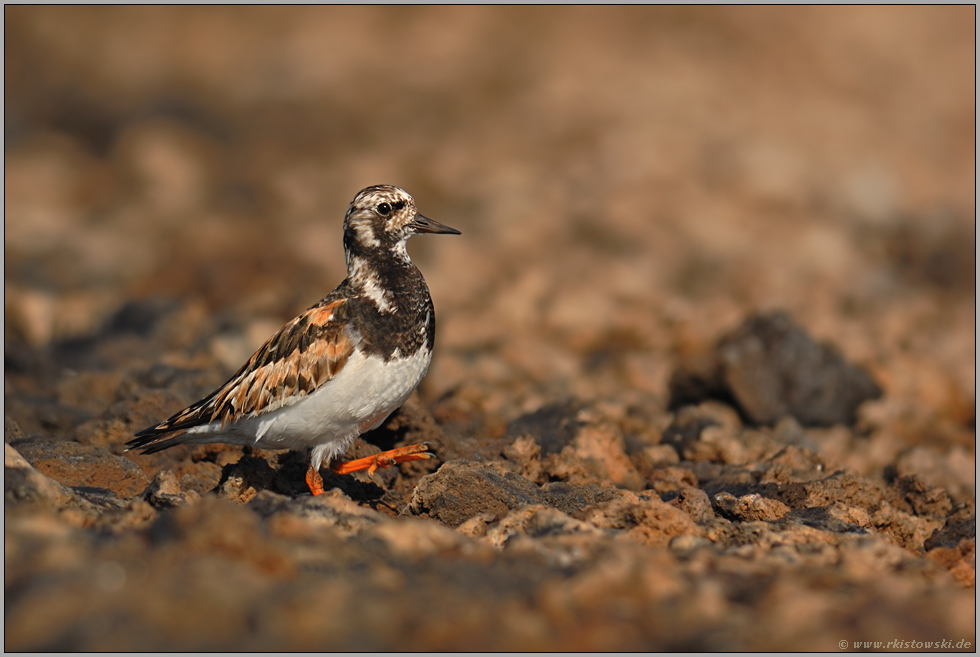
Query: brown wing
point(302, 356)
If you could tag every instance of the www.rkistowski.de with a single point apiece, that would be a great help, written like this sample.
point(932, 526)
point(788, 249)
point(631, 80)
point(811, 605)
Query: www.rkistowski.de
point(946, 644)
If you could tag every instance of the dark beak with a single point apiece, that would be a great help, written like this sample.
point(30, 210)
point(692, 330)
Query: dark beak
point(423, 224)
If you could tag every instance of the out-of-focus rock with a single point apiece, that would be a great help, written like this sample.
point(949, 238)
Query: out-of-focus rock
point(954, 471)
point(925, 500)
point(552, 426)
point(74, 464)
point(643, 517)
point(22, 483)
point(770, 368)
point(954, 546)
point(750, 507)
point(692, 501)
point(461, 490)
point(165, 491)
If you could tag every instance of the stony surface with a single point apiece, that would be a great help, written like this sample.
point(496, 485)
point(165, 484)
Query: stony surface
point(705, 368)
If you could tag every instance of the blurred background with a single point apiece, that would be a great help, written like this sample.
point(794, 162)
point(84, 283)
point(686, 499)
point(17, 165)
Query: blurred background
point(630, 183)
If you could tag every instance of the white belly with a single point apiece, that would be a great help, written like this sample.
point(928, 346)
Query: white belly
point(363, 394)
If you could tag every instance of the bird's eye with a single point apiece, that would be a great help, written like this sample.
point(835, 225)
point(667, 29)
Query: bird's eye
point(383, 209)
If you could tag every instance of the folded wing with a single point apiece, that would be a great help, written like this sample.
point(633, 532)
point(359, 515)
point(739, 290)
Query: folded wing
point(302, 356)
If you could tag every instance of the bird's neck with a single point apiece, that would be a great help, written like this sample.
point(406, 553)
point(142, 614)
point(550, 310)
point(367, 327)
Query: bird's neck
point(385, 276)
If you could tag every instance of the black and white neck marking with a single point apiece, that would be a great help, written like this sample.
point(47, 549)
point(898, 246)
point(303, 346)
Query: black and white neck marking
point(386, 287)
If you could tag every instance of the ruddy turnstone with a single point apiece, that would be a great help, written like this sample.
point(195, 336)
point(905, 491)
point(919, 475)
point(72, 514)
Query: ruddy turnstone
point(341, 367)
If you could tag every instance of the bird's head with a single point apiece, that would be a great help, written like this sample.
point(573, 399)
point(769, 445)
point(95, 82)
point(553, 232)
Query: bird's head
point(382, 218)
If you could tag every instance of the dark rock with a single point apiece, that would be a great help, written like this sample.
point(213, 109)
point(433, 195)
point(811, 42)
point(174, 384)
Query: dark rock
point(835, 519)
point(42, 415)
point(332, 508)
point(553, 426)
point(461, 490)
point(770, 368)
point(241, 481)
point(573, 499)
point(686, 428)
point(102, 497)
point(925, 500)
point(954, 547)
point(141, 316)
point(938, 250)
point(961, 526)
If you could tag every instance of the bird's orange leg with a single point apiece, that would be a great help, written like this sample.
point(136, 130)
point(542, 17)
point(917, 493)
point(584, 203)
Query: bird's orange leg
point(314, 481)
point(370, 463)
point(383, 460)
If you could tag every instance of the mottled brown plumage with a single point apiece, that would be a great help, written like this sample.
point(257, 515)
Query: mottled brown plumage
point(303, 355)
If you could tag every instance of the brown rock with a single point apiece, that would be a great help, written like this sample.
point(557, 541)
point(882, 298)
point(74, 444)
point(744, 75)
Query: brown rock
point(74, 464)
point(22, 483)
point(750, 507)
point(954, 471)
point(598, 452)
point(954, 547)
point(692, 501)
point(27, 490)
point(925, 500)
point(644, 518)
point(671, 478)
point(460, 490)
point(961, 561)
point(165, 491)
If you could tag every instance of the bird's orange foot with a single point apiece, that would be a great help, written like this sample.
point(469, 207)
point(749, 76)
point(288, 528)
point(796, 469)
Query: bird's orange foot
point(314, 481)
point(383, 460)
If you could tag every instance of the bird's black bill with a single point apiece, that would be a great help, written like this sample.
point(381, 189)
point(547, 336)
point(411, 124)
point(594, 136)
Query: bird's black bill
point(423, 224)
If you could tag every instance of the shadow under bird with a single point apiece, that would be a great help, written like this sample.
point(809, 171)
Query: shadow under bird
point(338, 369)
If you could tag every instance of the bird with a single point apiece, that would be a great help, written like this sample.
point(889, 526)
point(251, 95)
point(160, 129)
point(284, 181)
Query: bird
point(340, 368)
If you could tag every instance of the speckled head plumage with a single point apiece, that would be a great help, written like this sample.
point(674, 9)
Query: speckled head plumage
point(383, 217)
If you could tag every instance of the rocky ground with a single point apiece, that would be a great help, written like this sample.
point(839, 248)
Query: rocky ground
point(705, 366)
